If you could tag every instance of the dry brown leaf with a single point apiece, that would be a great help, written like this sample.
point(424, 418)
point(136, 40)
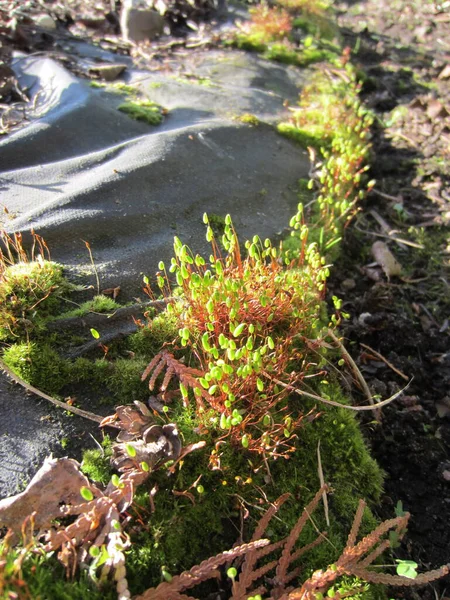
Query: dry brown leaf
point(386, 259)
point(58, 482)
point(436, 109)
point(445, 73)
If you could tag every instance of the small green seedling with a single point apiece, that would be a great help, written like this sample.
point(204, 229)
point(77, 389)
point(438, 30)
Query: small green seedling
point(399, 512)
point(407, 568)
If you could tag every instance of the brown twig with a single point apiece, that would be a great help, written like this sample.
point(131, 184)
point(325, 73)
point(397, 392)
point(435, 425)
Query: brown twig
point(332, 402)
point(353, 365)
point(385, 360)
point(322, 485)
point(73, 409)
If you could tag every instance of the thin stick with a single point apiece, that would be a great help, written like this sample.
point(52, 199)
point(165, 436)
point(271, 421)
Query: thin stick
point(353, 365)
point(322, 484)
point(385, 196)
point(337, 404)
point(391, 237)
point(93, 265)
point(385, 360)
point(386, 227)
point(76, 411)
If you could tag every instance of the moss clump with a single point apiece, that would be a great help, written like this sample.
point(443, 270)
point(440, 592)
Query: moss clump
point(98, 304)
point(143, 110)
point(248, 119)
point(36, 575)
point(95, 372)
point(125, 380)
point(124, 88)
point(97, 84)
point(38, 364)
point(283, 53)
point(175, 533)
point(29, 292)
point(96, 463)
point(315, 138)
point(149, 340)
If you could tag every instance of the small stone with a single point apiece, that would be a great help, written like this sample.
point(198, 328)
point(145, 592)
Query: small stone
point(108, 72)
point(348, 284)
point(46, 22)
point(363, 318)
point(446, 475)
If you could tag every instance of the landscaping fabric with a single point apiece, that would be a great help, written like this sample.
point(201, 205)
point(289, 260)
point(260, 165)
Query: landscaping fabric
point(81, 170)
point(85, 171)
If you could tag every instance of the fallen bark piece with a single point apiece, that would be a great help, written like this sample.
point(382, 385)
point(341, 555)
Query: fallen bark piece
point(386, 259)
point(57, 483)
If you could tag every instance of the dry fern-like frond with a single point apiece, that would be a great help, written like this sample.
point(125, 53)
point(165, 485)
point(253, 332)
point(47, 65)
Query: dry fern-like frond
point(354, 560)
point(357, 558)
point(205, 570)
point(186, 375)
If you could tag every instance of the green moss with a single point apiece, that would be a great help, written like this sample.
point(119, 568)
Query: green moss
point(176, 532)
point(37, 364)
point(29, 292)
point(96, 463)
point(42, 577)
point(143, 110)
point(149, 340)
point(124, 88)
point(311, 55)
point(248, 119)
point(97, 84)
point(83, 370)
point(248, 42)
point(317, 138)
point(125, 380)
point(282, 53)
point(318, 26)
point(98, 304)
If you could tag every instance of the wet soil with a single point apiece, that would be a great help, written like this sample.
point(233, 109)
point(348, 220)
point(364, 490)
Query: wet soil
point(398, 330)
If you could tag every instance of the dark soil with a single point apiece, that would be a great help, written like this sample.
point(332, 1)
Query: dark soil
point(403, 48)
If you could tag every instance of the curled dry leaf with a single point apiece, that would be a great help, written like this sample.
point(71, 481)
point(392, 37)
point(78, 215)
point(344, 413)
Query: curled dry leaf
point(58, 482)
point(386, 259)
point(158, 445)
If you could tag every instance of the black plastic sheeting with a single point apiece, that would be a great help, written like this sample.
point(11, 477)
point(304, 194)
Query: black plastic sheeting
point(82, 170)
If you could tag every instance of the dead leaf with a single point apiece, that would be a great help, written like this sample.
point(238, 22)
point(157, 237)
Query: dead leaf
point(58, 482)
point(436, 109)
point(114, 292)
point(386, 259)
point(443, 407)
point(445, 73)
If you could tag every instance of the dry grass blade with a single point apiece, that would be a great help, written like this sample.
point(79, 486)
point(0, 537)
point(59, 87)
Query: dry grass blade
point(338, 404)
